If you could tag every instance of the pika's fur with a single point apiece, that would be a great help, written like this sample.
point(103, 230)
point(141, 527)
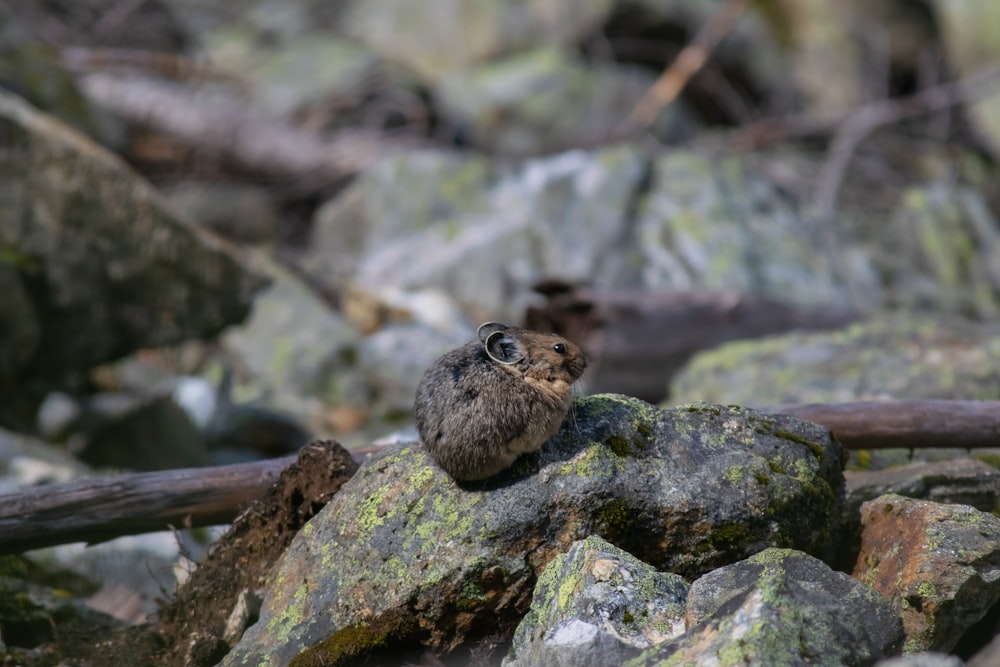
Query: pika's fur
point(482, 405)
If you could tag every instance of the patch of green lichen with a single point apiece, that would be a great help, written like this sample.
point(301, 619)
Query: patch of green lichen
point(734, 474)
point(617, 516)
point(776, 466)
point(772, 556)
point(280, 625)
point(589, 462)
point(926, 590)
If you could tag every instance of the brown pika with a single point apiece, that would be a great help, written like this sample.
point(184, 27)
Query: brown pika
point(482, 405)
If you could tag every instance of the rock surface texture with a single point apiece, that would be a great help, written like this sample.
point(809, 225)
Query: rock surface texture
point(938, 564)
point(436, 564)
point(781, 607)
point(597, 605)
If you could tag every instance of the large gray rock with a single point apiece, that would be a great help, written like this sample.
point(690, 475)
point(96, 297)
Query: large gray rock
point(611, 217)
point(94, 263)
point(440, 36)
point(597, 605)
point(781, 608)
point(436, 563)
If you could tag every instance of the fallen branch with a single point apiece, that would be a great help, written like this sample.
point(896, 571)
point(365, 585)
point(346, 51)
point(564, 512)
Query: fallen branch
point(688, 62)
point(229, 131)
point(95, 509)
point(862, 122)
point(909, 424)
point(101, 508)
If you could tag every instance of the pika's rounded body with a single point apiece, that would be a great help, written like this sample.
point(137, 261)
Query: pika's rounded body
point(482, 405)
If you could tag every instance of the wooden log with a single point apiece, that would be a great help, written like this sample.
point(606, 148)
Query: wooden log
point(904, 423)
point(95, 509)
point(637, 340)
point(101, 508)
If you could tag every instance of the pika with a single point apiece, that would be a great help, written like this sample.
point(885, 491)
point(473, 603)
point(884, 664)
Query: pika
point(482, 405)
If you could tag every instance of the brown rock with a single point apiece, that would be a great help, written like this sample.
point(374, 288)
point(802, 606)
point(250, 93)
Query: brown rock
point(939, 565)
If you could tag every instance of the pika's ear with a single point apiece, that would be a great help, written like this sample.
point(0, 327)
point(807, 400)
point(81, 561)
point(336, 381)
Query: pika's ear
point(486, 329)
point(504, 348)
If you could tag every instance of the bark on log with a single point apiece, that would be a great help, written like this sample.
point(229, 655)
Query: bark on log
point(95, 509)
point(904, 423)
point(229, 131)
point(102, 508)
point(638, 340)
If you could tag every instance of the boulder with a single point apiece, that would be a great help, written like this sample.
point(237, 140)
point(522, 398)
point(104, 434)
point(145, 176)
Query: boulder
point(781, 607)
point(939, 565)
point(597, 605)
point(436, 563)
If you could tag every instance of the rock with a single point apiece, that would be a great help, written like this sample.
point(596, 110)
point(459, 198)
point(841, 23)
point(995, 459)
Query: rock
point(781, 607)
point(597, 605)
point(945, 254)
point(922, 659)
point(101, 256)
point(241, 212)
point(25, 460)
point(610, 217)
point(938, 564)
point(892, 356)
point(957, 481)
point(296, 350)
point(394, 359)
point(436, 563)
point(520, 105)
point(886, 357)
point(438, 38)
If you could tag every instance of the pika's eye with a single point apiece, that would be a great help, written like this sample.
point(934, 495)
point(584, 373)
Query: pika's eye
point(560, 348)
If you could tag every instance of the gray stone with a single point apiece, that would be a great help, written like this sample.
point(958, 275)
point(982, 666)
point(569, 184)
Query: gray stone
point(431, 561)
point(781, 607)
point(597, 605)
point(886, 357)
point(438, 37)
point(922, 659)
point(956, 481)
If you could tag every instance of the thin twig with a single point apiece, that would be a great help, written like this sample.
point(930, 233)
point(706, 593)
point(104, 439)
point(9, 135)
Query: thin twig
point(687, 63)
point(863, 121)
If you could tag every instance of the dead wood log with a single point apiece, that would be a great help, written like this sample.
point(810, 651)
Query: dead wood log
point(228, 131)
point(908, 424)
point(95, 509)
point(638, 340)
point(102, 508)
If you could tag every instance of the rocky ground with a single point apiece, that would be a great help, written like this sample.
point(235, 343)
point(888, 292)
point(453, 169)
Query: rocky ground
point(229, 231)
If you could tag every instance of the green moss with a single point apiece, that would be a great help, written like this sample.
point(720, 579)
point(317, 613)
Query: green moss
point(776, 465)
point(817, 449)
point(356, 640)
point(627, 617)
point(731, 535)
point(619, 445)
point(762, 478)
point(617, 516)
